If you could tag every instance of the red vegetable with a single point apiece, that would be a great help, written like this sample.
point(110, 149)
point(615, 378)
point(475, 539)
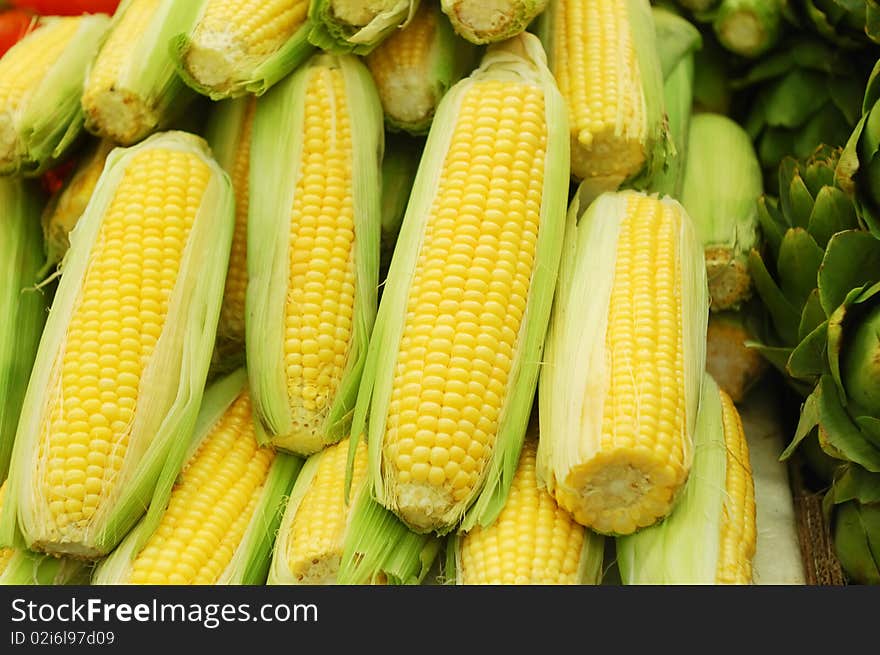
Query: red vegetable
point(14, 25)
point(67, 7)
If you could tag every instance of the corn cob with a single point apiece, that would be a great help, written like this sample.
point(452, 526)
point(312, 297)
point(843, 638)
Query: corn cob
point(710, 536)
point(41, 80)
point(63, 211)
point(533, 540)
point(314, 218)
point(214, 520)
point(603, 55)
point(22, 306)
point(357, 26)
point(453, 361)
point(624, 360)
point(229, 135)
point(415, 66)
point(721, 187)
point(487, 22)
point(123, 359)
point(399, 165)
point(132, 88)
point(19, 566)
point(325, 540)
point(734, 366)
point(243, 47)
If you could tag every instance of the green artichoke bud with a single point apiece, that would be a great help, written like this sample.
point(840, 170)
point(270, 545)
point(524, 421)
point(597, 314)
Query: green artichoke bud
point(805, 93)
point(861, 364)
point(853, 504)
point(845, 23)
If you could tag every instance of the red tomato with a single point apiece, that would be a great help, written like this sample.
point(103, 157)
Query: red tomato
point(13, 25)
point(67, 7)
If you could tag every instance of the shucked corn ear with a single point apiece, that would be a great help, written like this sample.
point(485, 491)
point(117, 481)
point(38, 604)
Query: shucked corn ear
point(228, 133)
point(480, 21)
point(356, 26)
point(314, 225)
point(239, 47)
point(19, 566)
point(122, 363)
point(416, 65)
point(214, 515)
point(710, 536)
point(721, 187)
point(533, 540)
point(132, 88)
point(623, 362)
point(63, 211)
point(325, 540)
point(603, 55)
point(22, 306)
point(41, 80)
point(453, 361)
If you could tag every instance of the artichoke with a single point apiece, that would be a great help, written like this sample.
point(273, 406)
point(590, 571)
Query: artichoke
point(853, 509)
point(845, 23)
point(804, 94)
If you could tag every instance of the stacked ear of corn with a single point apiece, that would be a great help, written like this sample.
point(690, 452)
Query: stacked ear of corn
point(624, 362)
point(120, 371)
point(314, 222)
point(533, 540)
point(357, 26)
point(415, 66)
point(22, 305)
point(243, 47)
point(603, 54)
point(132, 88)
point(487, 22)
point(326, 538)
point(214, 521)
point(710, 536)
point(41, 80)
point(454, 358)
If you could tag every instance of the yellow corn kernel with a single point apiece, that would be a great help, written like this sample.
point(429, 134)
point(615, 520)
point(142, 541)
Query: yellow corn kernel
point(533, 540)
point(232, 35)
point(232, 321)
point(632, 470)
point(320, 297)
point(400, 67)
point(595, 63)
point(211, 505)
point(314, 550)
point(466, 304)
point(117, 319)
point(738, 530)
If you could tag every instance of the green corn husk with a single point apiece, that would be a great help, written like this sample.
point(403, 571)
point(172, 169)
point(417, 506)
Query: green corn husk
point(143, 93)
point(415, 67)
point(677, 39)
point(276, 148)
point(730, 361)
point(355, 26)
point(543, 532)
point(577, 364)
point(373, 547)
point(722, 184)
point(480, 23)
point(521, 59)
point(686, 548)
point(23, 306)
point(249, 563)
point(654, 140)
point(38, 126)
point(215, 62)
point(748, 27)
point(399, 166)
point(175, 373)
point(64, 209)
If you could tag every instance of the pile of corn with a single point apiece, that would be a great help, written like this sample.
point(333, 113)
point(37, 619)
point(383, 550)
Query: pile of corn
point(388, 292)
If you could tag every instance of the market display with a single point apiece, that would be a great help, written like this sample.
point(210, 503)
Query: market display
point(438, 292)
